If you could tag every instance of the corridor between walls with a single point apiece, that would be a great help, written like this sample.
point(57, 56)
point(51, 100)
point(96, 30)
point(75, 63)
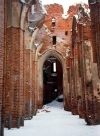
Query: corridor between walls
point(52, 120)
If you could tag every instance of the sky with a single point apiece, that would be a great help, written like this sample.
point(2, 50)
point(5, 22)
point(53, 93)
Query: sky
point(64, 3)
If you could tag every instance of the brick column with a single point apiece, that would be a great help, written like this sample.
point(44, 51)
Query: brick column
point(1, 58)
point(17, 76)
point(76, 75)
point(28, 83)
point(14, 94)
point(67, 104)
point(73, 103)
point(21, 78)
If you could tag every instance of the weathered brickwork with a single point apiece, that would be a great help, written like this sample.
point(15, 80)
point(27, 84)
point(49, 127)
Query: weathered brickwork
point(84, 80)
point(28, 84)
point(18, 94)
point(2, 26)
point(27, 44)
point(63, 25)
point(62, 31)
point(95, 25)
point(80, 30)
point(14, 75)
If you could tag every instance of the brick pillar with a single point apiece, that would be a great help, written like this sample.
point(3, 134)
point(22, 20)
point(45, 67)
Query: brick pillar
point(31, 85)
point(21, 78)
point(73, 97)
point(1, 60)
point(93, 31)
point(14, 94)
point(34, 85)
point(17, 76)
point(83, 84)
point(67, 104)
point(95, 34)
point(75, 77)
point(38, 104)
point(8, 77)
point(28, 83)
point(80, 97)
point(82, 69)
point(93, 41)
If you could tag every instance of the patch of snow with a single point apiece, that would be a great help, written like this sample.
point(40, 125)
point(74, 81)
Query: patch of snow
point(22, 1)
point(60, 97)
point(76, 16)
point(65, 16)
point(52, 120)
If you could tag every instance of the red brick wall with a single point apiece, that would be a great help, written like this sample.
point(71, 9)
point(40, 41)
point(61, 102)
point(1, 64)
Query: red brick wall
point(56, 11)
point(73, 10)
point(8, 67)
point(16, 65)
point(62, 25)
point(20, 69)
point(1, 54)
point(14, 95)
point(95, 32)
point(17, 72)
point(28, 83)
point(83, 100)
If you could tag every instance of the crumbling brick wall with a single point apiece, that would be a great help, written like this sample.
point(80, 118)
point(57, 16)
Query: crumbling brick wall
point(83, 70)
point(14, 90)
point(19, 69)
point(95, 17)
point(63, 24)
point(24, 49)
point(62, 31)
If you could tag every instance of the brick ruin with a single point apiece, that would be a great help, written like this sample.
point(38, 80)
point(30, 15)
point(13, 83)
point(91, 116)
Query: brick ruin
point(32, 40)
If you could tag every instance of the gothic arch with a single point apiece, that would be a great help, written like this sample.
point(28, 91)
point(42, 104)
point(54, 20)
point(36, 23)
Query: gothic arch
point(40, 63)
point(24, 13)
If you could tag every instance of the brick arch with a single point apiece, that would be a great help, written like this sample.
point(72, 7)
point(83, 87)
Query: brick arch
point(24, 13)
point(41, 60)
point(23, 16)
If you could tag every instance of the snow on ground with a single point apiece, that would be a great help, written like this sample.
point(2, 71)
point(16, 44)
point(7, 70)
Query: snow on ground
point(61, 96)
point(52, 120)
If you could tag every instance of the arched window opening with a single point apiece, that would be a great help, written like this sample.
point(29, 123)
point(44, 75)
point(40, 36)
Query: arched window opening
point(52, 79)
point(53, 22)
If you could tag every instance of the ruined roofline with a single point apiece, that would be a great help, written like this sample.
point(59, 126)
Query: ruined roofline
point(93, 2)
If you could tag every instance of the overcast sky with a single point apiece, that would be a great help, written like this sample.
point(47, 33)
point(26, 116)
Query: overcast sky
point(64, 3)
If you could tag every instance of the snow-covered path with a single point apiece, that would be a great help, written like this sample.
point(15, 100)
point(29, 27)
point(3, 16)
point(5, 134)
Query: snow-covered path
point(52, 120)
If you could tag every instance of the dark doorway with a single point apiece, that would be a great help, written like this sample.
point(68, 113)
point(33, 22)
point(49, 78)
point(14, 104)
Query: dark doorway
point(52, 79)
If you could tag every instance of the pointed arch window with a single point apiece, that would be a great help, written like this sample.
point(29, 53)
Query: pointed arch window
point(53, 22)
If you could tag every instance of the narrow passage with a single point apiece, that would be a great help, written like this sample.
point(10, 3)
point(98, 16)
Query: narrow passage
point(52, 120)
